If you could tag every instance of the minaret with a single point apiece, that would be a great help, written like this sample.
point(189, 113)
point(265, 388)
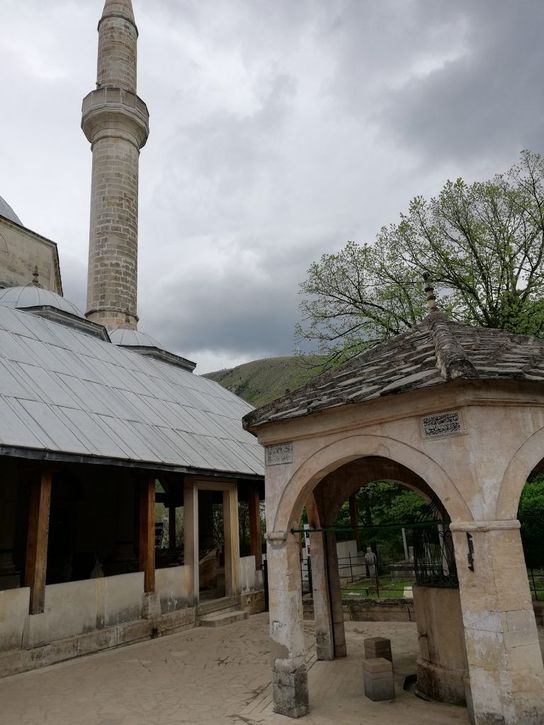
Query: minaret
point(116, 122)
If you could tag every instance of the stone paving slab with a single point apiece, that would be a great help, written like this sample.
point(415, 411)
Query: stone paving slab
point(214, 676)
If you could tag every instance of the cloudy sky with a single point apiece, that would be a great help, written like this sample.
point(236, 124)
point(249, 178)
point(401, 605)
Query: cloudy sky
point(280, 129)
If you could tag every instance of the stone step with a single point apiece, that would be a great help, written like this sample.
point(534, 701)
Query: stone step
point(219, 619)
point(217, 605)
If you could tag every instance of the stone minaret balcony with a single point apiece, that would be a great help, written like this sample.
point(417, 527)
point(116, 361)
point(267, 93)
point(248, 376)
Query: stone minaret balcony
point(116, 122)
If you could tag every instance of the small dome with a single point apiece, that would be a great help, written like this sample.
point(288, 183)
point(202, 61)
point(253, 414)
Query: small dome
point(7, 212)
point(132, 338)
point(144, 344)
point(31, 295)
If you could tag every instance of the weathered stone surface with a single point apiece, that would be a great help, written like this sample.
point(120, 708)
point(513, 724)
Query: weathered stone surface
point(21, 250)
point(442, 669)
point(290, 689)
point(252, 602)
point(116, 122)
point(432, 353)
point(372, 610)
point(378, 647)
point(378, 679)
point(220, 619)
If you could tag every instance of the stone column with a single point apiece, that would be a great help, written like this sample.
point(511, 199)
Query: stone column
point(324, 634)
point(503, 654)
point(290, 679)
point(335, 591)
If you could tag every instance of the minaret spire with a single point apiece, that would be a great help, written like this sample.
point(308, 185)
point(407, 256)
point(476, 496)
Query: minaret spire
point(116, 122)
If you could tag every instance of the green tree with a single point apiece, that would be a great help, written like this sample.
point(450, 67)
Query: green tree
point(481, 243)
point(531, 516)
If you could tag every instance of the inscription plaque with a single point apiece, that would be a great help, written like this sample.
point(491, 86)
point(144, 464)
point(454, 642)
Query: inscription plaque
point(442, 424)
point(279, 454)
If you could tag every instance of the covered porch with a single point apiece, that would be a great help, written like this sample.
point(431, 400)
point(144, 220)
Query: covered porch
point(94, 556)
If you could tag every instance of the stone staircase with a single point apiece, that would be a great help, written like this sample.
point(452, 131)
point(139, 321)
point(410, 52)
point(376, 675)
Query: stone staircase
point(220, 612)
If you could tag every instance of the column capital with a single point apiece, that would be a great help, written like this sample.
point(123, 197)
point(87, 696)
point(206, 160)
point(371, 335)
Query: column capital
point(484, 526)
point(277, 539)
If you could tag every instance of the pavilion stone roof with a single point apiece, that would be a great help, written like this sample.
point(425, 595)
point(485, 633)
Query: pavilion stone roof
point(432, 353)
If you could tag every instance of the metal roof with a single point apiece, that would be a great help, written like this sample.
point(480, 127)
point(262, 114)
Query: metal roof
point(65, 395)
point(432, 353)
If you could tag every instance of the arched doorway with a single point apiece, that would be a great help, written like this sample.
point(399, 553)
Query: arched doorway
point(480, 494)
point(429, 567)
point(322, 486)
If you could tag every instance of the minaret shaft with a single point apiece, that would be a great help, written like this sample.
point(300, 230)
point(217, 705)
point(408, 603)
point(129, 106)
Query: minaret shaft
point(116, 122)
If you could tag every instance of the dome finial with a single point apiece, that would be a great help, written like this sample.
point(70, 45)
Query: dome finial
point(429, 290)
point(36, 277)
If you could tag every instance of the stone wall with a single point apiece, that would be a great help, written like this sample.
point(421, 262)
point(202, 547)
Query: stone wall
point(381, 610)
point(250, 579)
point(94, 614)
point(21, 251)
point(87, 616)
point(442, 670)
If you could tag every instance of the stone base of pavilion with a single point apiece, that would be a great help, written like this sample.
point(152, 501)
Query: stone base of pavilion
point(337, 692)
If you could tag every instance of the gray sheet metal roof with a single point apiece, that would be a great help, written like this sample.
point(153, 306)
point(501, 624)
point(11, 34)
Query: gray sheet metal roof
point(432, 353)
point(66, 394)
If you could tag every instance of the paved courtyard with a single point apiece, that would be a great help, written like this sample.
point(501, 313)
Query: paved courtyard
point(208, 676)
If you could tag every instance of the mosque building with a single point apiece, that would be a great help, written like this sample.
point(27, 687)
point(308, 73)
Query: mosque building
point(130, 493)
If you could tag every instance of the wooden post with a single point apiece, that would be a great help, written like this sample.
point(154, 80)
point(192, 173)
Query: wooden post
point(354, 519)
point(147, 533)
point(191, 537)
point(255, 528)
point(37, 540)
point(232, 540)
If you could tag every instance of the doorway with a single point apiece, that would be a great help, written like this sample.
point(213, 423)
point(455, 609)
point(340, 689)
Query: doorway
point(211, 545)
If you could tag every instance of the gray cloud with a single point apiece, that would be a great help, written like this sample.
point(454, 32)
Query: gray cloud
point(279, 131)
point(487, 101)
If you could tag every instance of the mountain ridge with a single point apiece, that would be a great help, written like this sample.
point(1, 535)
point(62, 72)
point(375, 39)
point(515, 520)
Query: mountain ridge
point(260, 381)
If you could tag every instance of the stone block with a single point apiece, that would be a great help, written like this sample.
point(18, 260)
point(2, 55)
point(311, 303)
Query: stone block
point(252, 602)
point(290, 689)
point(378, 679)
point(378, 647)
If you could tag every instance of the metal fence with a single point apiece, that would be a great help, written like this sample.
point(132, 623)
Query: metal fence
point(536, 583)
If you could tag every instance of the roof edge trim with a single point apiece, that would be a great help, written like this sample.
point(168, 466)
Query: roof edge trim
point(59, 457)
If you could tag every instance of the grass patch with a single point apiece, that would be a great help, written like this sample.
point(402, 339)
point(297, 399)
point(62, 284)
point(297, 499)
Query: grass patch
point(389, 588)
